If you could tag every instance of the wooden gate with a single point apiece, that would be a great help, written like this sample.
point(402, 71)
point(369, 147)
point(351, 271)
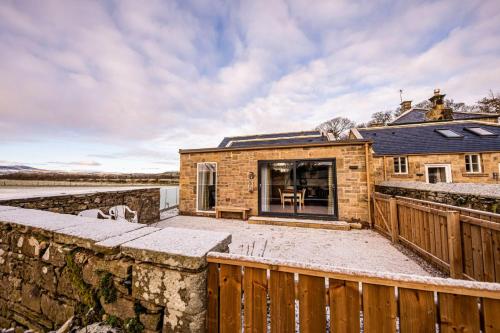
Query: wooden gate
point(461, 241)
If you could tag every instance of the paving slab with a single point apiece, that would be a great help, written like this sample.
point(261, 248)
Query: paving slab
point(177, 247)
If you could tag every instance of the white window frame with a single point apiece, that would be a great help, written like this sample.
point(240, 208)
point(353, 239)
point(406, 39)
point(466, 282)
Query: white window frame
point(216, 187)
point(480, 169)
point(399, 158)
point(447, 169)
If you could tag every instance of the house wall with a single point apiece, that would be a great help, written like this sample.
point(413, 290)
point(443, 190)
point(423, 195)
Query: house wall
point(233, 183)
point(416, 171)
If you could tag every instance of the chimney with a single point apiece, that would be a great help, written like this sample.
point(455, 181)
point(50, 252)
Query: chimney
point(405, 106)
point(438, 111)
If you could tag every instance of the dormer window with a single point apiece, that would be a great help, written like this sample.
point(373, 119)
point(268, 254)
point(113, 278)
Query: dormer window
point(448, 133)
point(479, 131)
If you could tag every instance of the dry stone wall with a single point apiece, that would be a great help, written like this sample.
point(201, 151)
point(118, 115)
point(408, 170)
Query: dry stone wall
point(140, 278)
point(483, 202)
point(145, 201)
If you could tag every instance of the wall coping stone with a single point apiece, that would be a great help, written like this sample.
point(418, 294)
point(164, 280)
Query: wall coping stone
point(116, 241)
point(186, 248)
point(39, 219)
point(175, 247)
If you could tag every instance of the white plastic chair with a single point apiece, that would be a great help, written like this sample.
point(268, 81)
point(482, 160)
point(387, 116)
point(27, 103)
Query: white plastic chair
point(95, 213)
point(119, 213)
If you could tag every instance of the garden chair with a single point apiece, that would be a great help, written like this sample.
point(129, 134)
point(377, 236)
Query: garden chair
point(95, 213)
point(119, 213)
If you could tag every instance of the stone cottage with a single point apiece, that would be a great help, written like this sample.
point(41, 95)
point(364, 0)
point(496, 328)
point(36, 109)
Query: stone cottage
point(435, 145)
point(298, 174)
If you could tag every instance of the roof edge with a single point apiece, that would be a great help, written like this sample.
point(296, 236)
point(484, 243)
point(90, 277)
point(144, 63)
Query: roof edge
point(431, 123)
point(306, 145)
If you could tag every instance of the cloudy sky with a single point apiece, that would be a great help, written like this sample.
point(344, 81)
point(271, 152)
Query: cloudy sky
point(122, 85)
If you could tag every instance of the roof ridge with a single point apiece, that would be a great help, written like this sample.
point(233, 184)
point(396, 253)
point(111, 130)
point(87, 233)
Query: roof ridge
point(275, 133)
point(434, 123)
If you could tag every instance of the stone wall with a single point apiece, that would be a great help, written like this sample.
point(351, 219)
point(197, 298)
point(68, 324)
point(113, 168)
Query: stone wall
point(383, 168)
point(468, 200)
point(233, 167)
point(145, 201)
point(142, 279)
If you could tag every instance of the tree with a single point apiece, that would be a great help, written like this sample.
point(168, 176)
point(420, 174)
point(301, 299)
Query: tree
point(338, 126)
point(490, 104)
point(381, 118)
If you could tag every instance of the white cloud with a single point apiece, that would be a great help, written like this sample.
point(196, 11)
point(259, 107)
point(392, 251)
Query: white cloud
point(157, 76)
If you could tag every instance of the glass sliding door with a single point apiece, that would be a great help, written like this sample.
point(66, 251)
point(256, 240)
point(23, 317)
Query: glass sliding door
point(206, 186)
point(315, 187)
point(276, 187)
point(298, 188)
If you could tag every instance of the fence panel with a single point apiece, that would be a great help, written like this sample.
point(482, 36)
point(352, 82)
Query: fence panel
point(390, 302)
point(282, 297)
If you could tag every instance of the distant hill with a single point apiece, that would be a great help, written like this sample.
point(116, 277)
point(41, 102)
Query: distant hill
point(12, 173)
point(17, 168)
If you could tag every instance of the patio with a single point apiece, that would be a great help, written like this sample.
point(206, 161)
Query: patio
point(355, 249)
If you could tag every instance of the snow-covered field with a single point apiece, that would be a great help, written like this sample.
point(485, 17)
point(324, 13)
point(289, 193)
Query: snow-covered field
point(355, 249)
point(15, 192)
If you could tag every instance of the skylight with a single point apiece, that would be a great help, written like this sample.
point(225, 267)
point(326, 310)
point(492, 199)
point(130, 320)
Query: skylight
point(479, 131)
point(448, 133)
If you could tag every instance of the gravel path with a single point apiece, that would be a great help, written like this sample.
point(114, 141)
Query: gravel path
point(356, 249)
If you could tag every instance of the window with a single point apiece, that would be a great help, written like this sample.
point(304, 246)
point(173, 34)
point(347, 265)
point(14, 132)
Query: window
point(438, 173)
point(479, 131)
point(206, 186)
point(448, 133)
point(400, 165)
point(472, 163)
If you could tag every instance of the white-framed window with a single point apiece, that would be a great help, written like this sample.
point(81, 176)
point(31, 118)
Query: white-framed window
point(401, 165)
point(206, 186)
point(472, 163)
point(438, 173)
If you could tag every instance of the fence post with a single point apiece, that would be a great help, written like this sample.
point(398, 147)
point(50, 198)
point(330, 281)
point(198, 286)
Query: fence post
point(393, 207)
point(454, 244)
point(373, 211)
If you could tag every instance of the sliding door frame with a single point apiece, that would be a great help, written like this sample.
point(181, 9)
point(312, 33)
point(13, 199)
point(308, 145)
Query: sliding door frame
point(295, 213)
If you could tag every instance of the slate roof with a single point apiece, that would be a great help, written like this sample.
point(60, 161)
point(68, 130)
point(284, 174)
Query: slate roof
point(423, 139)
point(418, 116)
point(274, 139)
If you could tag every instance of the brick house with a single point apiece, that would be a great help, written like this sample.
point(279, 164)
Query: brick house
point(435, 145)
point(299, 174)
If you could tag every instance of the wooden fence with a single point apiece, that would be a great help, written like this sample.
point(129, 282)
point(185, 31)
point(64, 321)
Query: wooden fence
point(260, 295)
point(461, 241)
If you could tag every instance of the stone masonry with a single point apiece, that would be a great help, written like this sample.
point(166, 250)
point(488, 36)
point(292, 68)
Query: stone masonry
point(383, 168)
point(146, 201)
point(461, 195)
point(142, 279)
point(233, 167)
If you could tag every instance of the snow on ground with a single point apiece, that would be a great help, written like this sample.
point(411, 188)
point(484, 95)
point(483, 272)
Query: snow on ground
point(355, 249)
point(15, 192)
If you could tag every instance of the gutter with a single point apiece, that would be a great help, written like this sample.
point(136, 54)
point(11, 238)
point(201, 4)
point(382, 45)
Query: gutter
point(301, 145)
